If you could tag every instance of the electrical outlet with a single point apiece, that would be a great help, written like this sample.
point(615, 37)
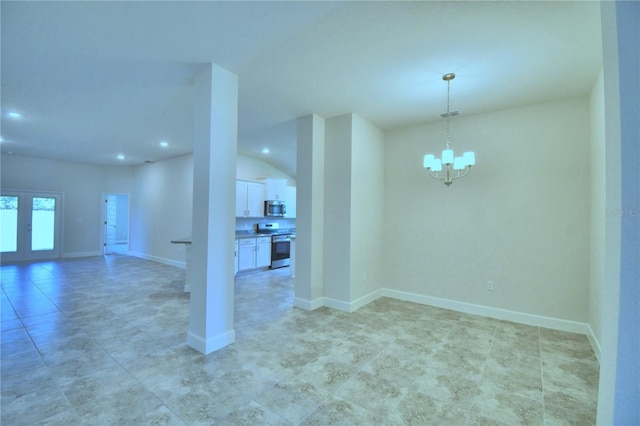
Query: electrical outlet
point(364, 277)
point(490, 285)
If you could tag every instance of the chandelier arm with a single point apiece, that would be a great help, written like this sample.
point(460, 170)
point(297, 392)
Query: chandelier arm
point(466, 170)
point(434, 175)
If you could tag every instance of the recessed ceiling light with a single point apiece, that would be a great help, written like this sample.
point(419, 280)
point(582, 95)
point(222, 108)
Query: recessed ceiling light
point(13, 114)
point(265, 150)
point(120, 157)
point(164, 144)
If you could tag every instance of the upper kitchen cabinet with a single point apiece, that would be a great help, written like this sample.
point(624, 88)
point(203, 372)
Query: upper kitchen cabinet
point(291, 201)
point(249, 199)
point(275, 189)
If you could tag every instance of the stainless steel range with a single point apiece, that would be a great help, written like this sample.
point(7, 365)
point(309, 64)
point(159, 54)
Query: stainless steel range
point(280, 243)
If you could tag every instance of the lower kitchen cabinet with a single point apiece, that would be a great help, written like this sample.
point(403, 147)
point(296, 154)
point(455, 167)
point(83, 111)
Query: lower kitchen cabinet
point(246, 254)
point(263, 253)
point(254, 253)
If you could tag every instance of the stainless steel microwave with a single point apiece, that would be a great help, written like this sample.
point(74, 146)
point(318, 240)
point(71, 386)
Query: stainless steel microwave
point(275, 208)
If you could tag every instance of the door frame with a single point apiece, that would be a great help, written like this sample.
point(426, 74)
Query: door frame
point(24, 252)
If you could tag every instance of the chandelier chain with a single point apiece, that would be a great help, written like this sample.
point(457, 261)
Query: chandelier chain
point(448, 110)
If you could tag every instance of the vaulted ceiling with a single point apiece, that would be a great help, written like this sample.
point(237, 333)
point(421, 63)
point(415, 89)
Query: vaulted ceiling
point(91, 80)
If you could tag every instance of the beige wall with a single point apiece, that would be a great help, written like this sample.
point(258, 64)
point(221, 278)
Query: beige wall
point(520, 219)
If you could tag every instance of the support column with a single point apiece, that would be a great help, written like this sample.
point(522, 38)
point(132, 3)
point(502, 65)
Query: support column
point(310, 213)
point(214, 174)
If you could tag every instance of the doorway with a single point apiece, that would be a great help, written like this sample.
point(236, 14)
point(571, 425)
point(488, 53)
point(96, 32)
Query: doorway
point(30, 224)
point(116, 224)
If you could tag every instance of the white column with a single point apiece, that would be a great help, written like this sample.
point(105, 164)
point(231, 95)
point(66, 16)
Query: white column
point(214, 170)
point(338, 195)
point(310, 213)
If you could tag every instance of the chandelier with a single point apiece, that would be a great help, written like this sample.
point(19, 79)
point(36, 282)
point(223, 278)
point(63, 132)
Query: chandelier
point(455, 167)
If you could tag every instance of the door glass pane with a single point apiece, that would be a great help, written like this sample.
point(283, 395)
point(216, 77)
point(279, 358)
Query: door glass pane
point(43, 217)
point(8, 224)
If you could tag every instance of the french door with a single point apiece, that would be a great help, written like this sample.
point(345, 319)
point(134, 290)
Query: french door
point(30, 225)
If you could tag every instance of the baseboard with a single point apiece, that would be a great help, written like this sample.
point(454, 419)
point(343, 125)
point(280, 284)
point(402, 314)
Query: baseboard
point(81, 254)
point(158, 259)
point(365, 300)
point(595, 344)
point(341, 305)
point(487, 311)
point(308, 305)
point(211, 344)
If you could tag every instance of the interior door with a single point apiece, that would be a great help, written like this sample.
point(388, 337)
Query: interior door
point(30, 224)
point(116, 223)
point(110, 224)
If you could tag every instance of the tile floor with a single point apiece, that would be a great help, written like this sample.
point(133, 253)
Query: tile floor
point(101, 341)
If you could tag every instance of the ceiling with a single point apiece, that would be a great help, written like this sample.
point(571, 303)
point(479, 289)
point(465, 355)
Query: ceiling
point(92, 80)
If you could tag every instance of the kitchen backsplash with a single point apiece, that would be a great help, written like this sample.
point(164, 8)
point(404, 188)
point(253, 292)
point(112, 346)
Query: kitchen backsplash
point(249, 224)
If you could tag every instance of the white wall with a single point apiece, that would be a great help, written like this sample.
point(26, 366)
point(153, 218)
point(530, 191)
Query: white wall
point(610, 305)
point(520, 219)
point(161, 207)
point(310, 165)
point(82, 186)
point(367, 199)
point(161, 195)
point(354, 192)
point(337, 214)
point(597, 292)
point(627, 395)
point(250, 168)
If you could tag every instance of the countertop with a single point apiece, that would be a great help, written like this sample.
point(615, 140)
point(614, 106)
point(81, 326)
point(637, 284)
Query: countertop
point(252, 234)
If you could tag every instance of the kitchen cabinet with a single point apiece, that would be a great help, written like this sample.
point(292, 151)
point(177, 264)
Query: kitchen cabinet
point(275, 189)
point(246, 254)
point(249, 199)
point(263, 252)
point(291, 201)
point(254, 253)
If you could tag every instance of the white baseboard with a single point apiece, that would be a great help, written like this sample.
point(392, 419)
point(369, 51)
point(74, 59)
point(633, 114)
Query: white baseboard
point(595, 344)
point(211, 344)
point(488, 311)
point(159, 259)
point(352, 306)
point(340, 305)
point(308, 305)
point(365, 300)
point(81, 254)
